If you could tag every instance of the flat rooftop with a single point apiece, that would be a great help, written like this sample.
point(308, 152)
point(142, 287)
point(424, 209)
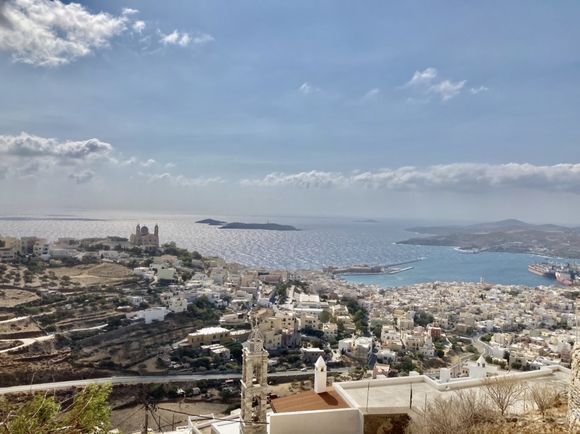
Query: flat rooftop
point(394, 394)
point(308, 401)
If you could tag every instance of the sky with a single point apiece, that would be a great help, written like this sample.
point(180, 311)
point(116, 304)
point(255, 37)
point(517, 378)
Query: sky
point(440, 110)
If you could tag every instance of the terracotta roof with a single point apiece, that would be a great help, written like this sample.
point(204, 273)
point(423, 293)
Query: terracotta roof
point(307, 401)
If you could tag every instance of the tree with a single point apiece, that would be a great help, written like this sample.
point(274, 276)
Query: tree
point(423, 318)
point(377, 330)
point(235, 351)
point(324, 316)
point(282, 292)
point(545, 397)
point(464, 412)
point(503, 393)
point(310, 331)
point(340, 330)
point(36, 415)
point(89, 413)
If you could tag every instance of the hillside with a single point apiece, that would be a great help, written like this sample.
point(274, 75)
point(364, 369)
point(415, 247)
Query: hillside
point(512, 236)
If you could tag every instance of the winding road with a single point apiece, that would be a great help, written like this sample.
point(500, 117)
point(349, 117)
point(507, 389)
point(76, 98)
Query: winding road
point(153, 379)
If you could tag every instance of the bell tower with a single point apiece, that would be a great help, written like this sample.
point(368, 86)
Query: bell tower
point(254, 385)
point(320, 376)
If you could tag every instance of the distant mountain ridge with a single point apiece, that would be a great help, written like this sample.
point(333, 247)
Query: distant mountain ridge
point(514, 236)
point(507, 225)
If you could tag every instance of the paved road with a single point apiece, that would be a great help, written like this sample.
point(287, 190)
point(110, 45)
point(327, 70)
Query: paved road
point(25, 342)
point(482, 347)
point(146, 380)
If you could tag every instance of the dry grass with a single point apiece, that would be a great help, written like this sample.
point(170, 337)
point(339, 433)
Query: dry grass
point(503, 393)
point(545, 397)
point(86, 275)
point(14, 297)
point(472, 413)
point(24, 325)
point(460, 413)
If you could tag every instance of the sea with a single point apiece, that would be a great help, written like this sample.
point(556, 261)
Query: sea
point(318, 243)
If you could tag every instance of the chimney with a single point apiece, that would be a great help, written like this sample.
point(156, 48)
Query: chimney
point(320, 375)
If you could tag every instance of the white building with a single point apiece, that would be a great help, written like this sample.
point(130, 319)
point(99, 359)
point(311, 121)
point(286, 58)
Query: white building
point(320, 376)
point(177, 304)
point(346, 407)
point(165, 275)
point(41, 249)
point(156, 313)
point(7, 254)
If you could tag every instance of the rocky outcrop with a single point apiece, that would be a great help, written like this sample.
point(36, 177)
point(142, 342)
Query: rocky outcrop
point(574, 392)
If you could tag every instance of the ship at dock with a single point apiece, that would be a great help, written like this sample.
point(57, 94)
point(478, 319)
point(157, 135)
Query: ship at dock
point(565, 278)
point(565, 274)
point(543, 269)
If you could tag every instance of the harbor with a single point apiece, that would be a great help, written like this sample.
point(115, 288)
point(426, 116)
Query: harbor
point(565, 274)
point(364, 269)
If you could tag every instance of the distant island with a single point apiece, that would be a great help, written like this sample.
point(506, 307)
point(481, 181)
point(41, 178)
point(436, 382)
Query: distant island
point(366, 221)
point(211, 222)
point(513, 236)
point(263, 226)
point(239, 225)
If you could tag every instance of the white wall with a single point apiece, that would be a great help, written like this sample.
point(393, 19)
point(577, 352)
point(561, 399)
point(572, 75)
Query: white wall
point(343, 421)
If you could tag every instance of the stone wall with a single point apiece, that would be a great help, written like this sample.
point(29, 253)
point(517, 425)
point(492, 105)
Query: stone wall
point(574, 392)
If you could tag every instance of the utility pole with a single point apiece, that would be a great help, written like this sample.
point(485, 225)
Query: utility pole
point(146, 427)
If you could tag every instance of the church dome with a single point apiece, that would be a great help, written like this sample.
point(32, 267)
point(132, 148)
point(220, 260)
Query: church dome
point(144, 230)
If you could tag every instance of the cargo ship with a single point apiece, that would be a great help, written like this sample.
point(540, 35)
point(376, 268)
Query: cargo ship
point(565, 274)
point(564, 277)
point(543, 269)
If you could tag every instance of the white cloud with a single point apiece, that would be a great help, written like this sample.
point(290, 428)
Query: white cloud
point(424, 77)
point(447, 89)
point(424, 83)
point(202, 39)
point(176, 38)
point(138, 26)
point(476, 90)
point(82, 177)
point(458, 177)
point(169, 165)
point(30, 146)
point(52, 33)
point(182, 181)
point(148, 162)
point(306, 88)
point(312, 179)
point(371, 94)
point(183, 39)
point(129, 11)
point(127, 162)
point(25, 155)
